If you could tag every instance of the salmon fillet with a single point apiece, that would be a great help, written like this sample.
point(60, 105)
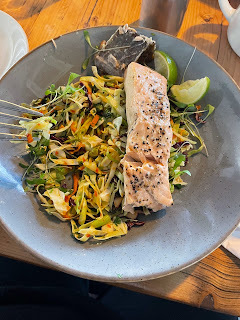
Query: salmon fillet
point(146, 178)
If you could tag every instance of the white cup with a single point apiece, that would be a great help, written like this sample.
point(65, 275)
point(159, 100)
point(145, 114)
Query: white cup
point(233, 17)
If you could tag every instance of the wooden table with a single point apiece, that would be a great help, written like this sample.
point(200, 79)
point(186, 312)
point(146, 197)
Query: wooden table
point(214, 282)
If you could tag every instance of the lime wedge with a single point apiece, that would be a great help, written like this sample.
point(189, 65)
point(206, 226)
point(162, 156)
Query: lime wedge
point(191, 91)
point(166, 66)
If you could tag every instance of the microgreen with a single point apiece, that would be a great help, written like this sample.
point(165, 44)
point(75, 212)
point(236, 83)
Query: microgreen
point(210, 110)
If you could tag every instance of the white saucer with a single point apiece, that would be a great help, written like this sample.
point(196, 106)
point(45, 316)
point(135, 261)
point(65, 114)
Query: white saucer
point(13, 42)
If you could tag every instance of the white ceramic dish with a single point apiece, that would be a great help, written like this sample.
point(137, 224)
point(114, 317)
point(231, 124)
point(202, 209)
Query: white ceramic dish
point(13, 42)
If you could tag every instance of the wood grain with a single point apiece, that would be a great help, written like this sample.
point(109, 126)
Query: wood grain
point(214, 282)
point(205, 27)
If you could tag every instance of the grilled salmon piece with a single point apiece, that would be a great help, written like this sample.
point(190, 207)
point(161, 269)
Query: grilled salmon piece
point(149, 139)
point(146, 185)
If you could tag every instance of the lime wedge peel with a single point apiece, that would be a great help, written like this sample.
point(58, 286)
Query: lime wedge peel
point(191, 91)
point(166, 66)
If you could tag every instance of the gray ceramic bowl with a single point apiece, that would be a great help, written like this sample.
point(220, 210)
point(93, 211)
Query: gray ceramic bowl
point(205, 212)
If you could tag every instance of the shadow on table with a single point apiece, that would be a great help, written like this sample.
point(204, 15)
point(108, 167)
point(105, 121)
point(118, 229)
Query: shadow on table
point(28, 8)
point(204, 37)
point(233, 258)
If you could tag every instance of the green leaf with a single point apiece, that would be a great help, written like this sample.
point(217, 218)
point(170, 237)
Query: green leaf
point(178, 186)
point(87, 38)
point(179, 158)
point(178, 104)
point(63, 189)
point(36, 181)
point(22, 165)
point(153, 34)
point(40, 148)
point(47, 92)
point(88, 171)
point(72, 77)
point(169, 85)
point(69, 88)
point(210, 110)
point(117, 221)
point(190, 108)
point(51, 90)
point(182, 172)
point(85, 63)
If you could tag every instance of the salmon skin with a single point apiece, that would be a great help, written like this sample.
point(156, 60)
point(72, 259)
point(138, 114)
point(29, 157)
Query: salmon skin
point(124, 46)
point(146, 177)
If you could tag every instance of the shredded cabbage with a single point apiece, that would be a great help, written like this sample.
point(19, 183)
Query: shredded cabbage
point(80, 166)
point(76, 168)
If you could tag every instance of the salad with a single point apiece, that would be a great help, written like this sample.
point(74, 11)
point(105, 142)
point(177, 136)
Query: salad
point(76, 149)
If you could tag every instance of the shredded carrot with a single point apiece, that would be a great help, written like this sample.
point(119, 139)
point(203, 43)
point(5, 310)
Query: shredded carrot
point(74, 127)
point(81, 145)
point(29, 138)
point(95, 120)
point(89, 89)
point(75, 187)
point(66, 216)
point(183, 132)
point(43, 111)
point(95, 193)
